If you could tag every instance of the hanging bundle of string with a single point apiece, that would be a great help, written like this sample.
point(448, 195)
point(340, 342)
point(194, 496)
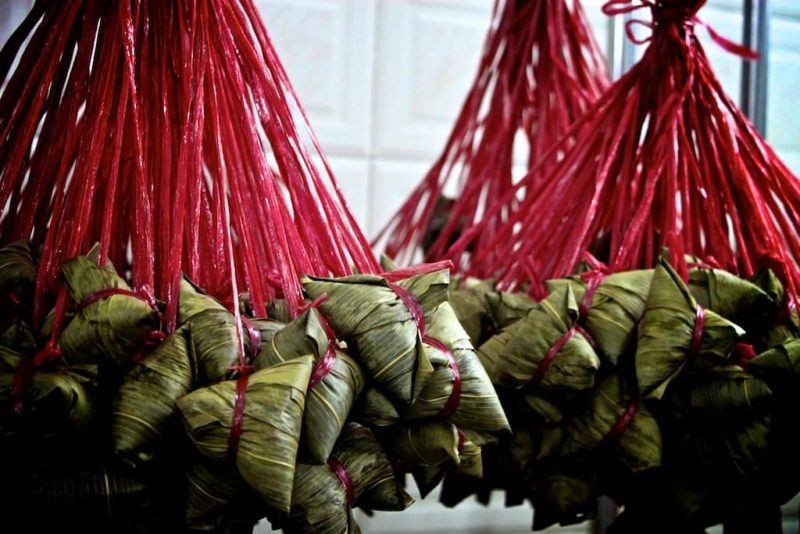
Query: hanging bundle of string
point(142, 126)
point(663, 159)
point(539, 71)
point(139, 207)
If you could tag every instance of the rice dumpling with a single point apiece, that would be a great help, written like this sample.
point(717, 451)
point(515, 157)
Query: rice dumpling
point(367, 312)
point(544, 347)
point(676, 332)
point(269, 433)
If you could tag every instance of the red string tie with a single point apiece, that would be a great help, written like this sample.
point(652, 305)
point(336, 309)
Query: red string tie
point(544, 365)
point(344, 478)
point(25, 372)
point(324, 364)
point(665, 15)
point(254, 335)
point(238, 408)
point(743, 353)
point(414, 308)
point(622, 424)
point(697, 332)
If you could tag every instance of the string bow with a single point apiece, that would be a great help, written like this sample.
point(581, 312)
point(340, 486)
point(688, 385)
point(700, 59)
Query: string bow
point(666, 13)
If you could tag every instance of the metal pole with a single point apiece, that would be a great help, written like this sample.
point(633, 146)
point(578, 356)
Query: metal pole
point(754, 73)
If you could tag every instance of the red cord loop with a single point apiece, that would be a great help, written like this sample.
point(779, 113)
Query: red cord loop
point(666, 15)
point(544, 365)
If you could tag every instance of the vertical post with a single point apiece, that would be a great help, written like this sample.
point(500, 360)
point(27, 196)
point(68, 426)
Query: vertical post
point(606, 513)
point(754, 73)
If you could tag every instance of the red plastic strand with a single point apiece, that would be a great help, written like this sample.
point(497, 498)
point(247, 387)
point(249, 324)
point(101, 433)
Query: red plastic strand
point(663, 159)
point(156, 122)
point(540, 69)
point(344, 477)
point(544, 365)
point(622, 424)
point(697, 331)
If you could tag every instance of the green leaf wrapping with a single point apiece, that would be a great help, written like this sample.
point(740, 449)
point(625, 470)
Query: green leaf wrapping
point(17, 270)
point(734, 298)
point(270, 431)
point(376, 409)
point(110, 330)
point(210, 490)
point(19, 337)
point(56, 403)
point(617, 306)
point(719, 394)
point(148, 395)
point(193, 300)
point(775, 334)
point(365, 312)
point(781, 361)
point(506, 308)
point(429, 443)
point(319, 502)
point(328, 403)
point(665, 334)
point(512, 356)
point(639, 444)
point(470, 305)
point(215, 344)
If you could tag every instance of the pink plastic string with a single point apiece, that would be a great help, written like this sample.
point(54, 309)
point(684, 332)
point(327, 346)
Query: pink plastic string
point(540, 69)
point(154, 123)
point(663, 159)
point(415, 309)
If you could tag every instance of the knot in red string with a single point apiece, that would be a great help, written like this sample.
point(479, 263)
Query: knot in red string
point(254, 336)
point(344, 477)
point(669, 14)
point(592, 279)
